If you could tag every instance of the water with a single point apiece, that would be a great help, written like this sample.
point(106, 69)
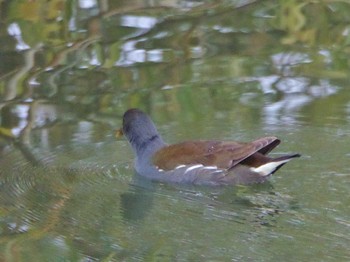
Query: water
point(231, 70)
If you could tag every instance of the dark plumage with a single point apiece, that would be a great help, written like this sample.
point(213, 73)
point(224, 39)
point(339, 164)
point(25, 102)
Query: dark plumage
point(199, 162)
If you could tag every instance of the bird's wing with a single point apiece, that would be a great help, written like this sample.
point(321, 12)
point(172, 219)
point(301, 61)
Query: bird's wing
point(221, 154)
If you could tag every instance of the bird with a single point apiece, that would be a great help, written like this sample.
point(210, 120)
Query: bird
point(198, 162)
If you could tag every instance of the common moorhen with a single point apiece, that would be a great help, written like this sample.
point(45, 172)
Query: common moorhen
point(200, 162)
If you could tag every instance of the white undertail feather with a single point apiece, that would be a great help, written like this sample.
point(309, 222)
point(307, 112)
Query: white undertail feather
point(269, 168)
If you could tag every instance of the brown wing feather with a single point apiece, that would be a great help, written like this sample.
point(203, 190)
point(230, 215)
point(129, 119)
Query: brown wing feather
point(211, 153)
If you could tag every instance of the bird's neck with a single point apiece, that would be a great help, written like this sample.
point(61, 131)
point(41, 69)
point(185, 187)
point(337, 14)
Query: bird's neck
point(146, 149)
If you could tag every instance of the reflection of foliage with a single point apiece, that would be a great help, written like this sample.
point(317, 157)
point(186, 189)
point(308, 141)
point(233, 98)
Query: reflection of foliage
point(292, 20)
point(99, 73)
point(209, 66)
point(39, 20)
point(43, 203)
point(36, 11)
point(311, 22)
point(225, 52)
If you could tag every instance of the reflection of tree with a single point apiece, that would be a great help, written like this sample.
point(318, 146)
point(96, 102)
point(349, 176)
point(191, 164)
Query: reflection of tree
point(226, 57)
point(104, 62)
point(100, 60)
point(14, 82)
point(206, 65)
point(18, 121)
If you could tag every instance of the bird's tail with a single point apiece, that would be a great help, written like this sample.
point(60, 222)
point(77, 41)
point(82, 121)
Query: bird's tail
point(273, 165)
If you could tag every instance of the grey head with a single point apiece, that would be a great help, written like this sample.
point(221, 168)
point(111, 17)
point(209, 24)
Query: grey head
point(141, 133)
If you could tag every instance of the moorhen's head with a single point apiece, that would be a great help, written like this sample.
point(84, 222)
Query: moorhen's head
point(139, 129)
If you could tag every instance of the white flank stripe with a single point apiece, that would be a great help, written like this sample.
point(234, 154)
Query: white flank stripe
point(268, 168)
point(193, 167)
point(210, 167)
point(180, 166)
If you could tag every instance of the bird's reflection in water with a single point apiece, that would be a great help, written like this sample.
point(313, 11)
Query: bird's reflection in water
point(138, 200)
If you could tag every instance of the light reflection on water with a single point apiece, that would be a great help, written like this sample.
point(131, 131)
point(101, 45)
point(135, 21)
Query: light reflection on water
point(141, 219)
point(132, 214)
point(68, 189)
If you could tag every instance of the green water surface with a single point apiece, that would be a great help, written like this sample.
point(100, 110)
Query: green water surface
point(230, 70)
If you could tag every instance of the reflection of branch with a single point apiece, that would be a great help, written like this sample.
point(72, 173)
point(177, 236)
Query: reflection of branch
point(200, 11)
point(27, 153)
point(22, 142)
point(195, 11)
point(79, 46)
point(23, 147)
point(24, 139)
point(11, 86)
point(6, 75)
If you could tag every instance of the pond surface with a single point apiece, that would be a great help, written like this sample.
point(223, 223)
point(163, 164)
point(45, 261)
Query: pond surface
point(230, 70)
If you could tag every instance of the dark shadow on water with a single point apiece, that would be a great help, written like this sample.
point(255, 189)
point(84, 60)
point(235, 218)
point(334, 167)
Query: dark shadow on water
point(138, 201)
point(260, 204)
